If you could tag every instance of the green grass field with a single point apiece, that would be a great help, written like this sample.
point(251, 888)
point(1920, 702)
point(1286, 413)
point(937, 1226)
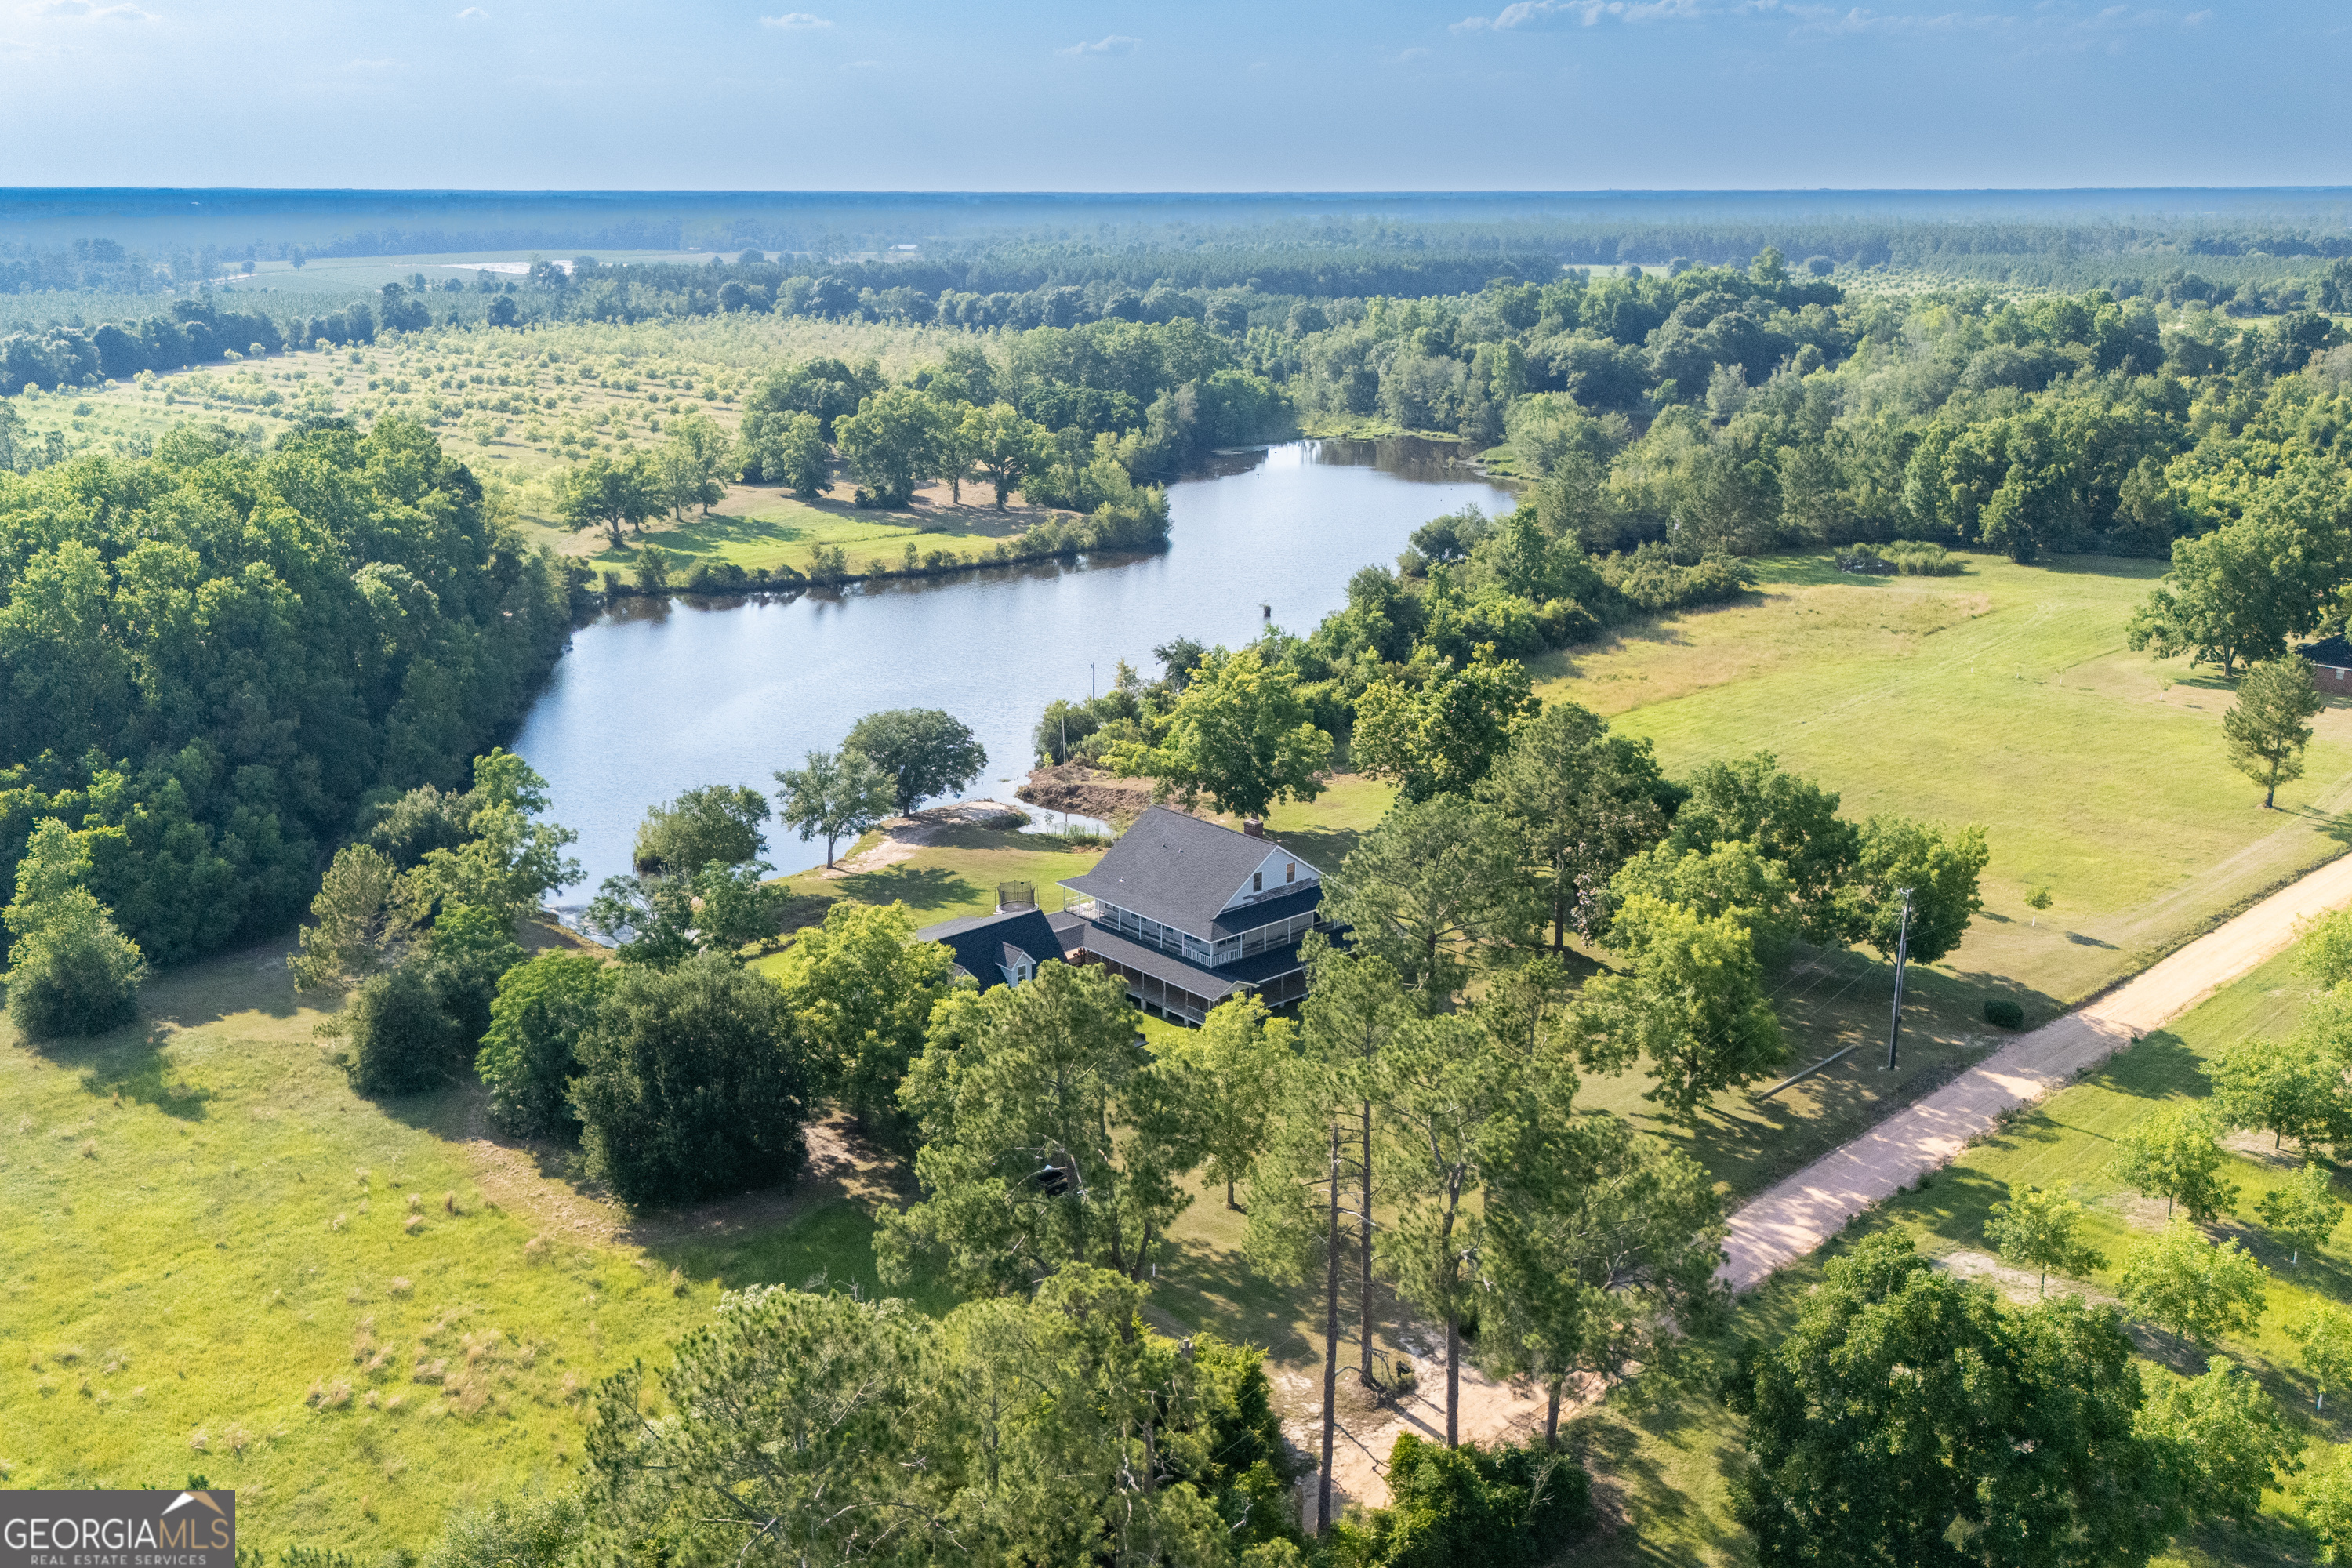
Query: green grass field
point(2003, 695)
point(358, 1314)
point(759, 529)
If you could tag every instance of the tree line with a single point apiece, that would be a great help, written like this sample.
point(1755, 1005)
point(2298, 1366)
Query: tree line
point(217, 661)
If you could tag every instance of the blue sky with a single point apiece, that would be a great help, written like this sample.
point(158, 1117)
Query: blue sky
point(899, 95)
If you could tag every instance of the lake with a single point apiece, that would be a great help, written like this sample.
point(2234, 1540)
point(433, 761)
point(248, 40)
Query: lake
point(654, 698)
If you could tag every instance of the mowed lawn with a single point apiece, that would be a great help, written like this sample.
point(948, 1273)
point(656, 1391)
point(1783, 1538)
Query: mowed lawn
point(2003, 695)
point(759, 529)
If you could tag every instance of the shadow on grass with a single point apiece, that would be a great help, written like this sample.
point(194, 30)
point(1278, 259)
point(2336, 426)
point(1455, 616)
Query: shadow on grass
point(1651, 1518)
point(2158, 1067)
point(829, 1248)
point(256, 980)
point(918, 887)
point(1202, 1286)
point(1322, 847)
point(1812, 572)
point(135, 1063)
point(702, 535)
point(2039, 1006)
point(2101, 565)
point(1954, 1202)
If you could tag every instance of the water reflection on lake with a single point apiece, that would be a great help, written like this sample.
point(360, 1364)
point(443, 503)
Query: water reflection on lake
point(655, 698)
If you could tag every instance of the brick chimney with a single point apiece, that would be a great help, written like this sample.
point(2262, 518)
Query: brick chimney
point(1253, 828)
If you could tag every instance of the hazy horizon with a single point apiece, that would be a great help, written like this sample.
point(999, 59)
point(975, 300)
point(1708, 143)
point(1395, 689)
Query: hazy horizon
point(914, 95)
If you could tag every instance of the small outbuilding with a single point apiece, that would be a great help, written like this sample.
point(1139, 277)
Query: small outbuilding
point(2331, 664)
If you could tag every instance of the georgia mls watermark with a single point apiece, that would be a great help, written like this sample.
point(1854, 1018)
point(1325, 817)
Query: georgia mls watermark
point(118, 1529)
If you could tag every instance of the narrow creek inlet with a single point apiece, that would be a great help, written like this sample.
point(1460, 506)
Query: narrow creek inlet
point(654, 698)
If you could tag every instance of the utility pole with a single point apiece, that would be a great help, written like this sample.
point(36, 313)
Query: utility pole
point(1902, 954)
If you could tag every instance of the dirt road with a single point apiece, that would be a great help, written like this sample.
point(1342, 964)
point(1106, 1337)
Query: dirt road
point(1791, 1219)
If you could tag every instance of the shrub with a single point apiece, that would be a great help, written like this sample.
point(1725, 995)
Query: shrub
point(717, 577)
point(1917, 558)
point(71, 971)
point(72, 983)
point(690, 1084)
point(1564, 621)
point(1911, 557)
point(1470, 1507)
point(76, 976)
point(400, 1038)
point(2003, 1014)
point(1651, 581)
point(526, 1058)
point(653, 570)
point(464, 956)
point(716, 822)
point(518, 1533)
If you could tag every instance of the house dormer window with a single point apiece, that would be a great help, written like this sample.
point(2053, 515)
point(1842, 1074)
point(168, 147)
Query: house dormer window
point(1257, 881)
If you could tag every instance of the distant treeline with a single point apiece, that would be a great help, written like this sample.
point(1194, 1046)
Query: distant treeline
point(1294, 285)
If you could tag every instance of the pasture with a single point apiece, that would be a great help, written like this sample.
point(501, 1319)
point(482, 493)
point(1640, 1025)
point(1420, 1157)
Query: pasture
point(358, 1313)
point(2003, 695)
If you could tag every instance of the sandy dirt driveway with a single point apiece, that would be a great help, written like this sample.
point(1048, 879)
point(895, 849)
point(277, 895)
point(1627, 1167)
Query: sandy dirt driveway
point(1789, 1220)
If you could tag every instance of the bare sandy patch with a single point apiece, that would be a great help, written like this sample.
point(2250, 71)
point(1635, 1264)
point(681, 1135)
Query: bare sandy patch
point(902, 836)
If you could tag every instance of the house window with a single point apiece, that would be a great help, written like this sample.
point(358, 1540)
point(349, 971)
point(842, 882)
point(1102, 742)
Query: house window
point(1257, 881)
point(1290, 872)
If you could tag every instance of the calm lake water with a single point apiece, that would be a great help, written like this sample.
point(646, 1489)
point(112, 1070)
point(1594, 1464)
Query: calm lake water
point(656, 697)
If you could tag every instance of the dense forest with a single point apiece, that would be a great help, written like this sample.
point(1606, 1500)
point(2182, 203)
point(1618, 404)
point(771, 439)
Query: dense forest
point(217, 661)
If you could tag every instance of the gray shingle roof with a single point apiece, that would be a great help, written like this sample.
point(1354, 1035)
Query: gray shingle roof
point(1176, 869)
point(1306, 900)
point(979, 942)
point(2334, 652)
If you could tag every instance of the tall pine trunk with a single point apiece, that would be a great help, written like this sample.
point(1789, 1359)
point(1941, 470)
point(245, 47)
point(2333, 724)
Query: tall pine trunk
point(1453, 1381)
point(1330, 1341)
point(1364, 1251)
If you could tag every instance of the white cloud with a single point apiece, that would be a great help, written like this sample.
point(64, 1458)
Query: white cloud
point(87, 11)
point(1114, 44)
point(1409, 56)
point(1824, 19)
point(473, 14)
point(1588, 13)
point(795, 22)
point(2196, 18)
